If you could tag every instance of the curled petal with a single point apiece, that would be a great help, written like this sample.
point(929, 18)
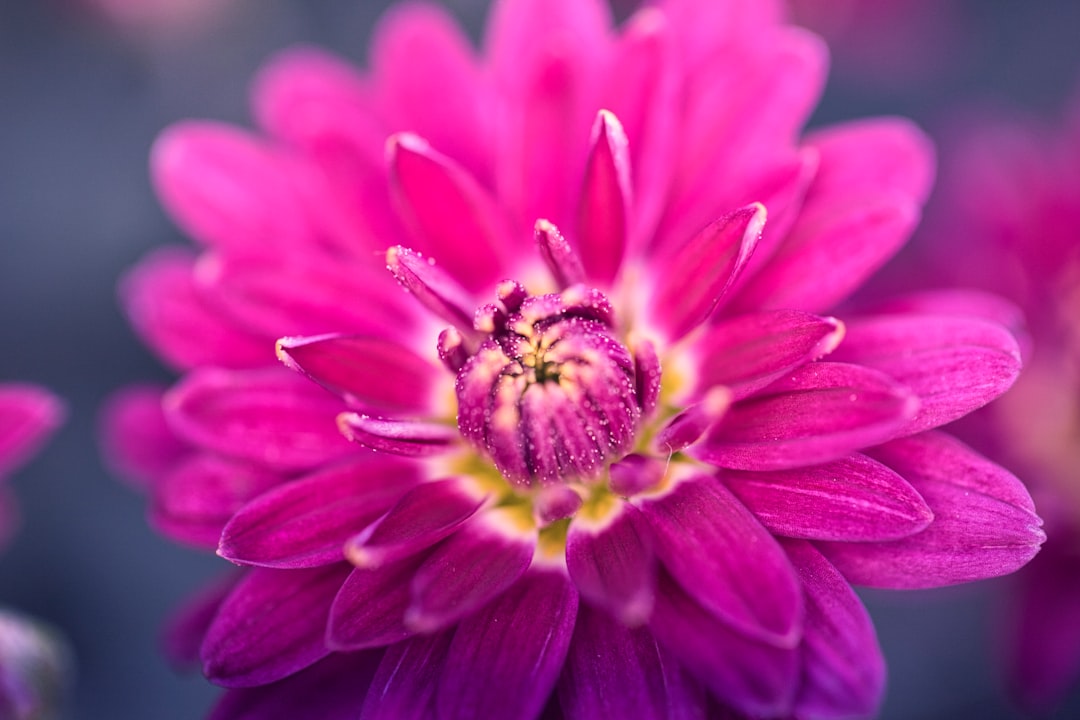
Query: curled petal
point(432, 287)
point(646, 376)
point(400, 437)
point(605, 200)
point(687, 427)
point(28, 414)
point(562, 261)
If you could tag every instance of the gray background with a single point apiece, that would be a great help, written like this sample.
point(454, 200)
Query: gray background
point(79, 107)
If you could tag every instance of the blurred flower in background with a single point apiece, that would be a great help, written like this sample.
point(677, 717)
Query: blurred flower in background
point(626, 485)
point(153, 22)
point(34, 660)
point(1009, 222)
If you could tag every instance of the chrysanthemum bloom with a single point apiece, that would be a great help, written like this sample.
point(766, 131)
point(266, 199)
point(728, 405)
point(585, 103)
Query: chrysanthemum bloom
point(32, 658)
point(606, 457)
point(1025, 227)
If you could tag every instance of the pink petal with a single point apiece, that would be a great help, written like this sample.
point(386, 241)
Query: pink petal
point(369, 610)
point(504, 660)
point(758, 679)
point(305, 523)
point(181, 324)
point(692, 278)
point(855, 499)
point(405, 682)
point(687, 427)
point(469, 569)
point(615, 672)
point(820, 412)
point(724, 559)
point(28, 415)
point(270, 417)
point(271, 626)
point(331, 689)
point(843, 668)
point(400, 437)
point(443, 203)
point(955, 365)
point(372, 371)
point(612, 565)
point(984, 522)
point(747, 352)
point(136, 437)
point(605, 200)
point(563, 263)
point(194, 500)
point(433, 288)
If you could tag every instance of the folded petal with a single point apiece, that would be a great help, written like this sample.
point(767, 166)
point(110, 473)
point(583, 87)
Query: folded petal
point(725, 560)
point(984, 521)
point(820, 412)
point(955, 365)
point(305, 523)
point(369, 609)
point(432, 287)
point(504, 660)
point(28, 414)
point(137, 440)
point(605, 200)
point(854, 499)
point(615, 672)
point(400, 437)
point(405, 681)
point(271, 625)
point(270, 417)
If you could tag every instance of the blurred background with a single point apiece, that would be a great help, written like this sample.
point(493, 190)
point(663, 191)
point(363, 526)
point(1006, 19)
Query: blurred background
point(85, 85)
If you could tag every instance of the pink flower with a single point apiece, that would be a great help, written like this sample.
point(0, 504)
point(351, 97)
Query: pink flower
point(28, 414)
point(1013, 189)
point(608, 455)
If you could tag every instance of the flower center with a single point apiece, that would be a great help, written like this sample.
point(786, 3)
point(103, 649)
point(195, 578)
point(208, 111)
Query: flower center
point(549, 394)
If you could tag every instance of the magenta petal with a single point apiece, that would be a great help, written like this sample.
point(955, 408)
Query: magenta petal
point(687, 427)
point(605, 200)
point(400, 437)
point(184, 632)
point(404, 684)
point(755, 678)
point(470, 568)
point(562, 261)
point(432, 287)
point(615, 672)
point(369, 610)
point(843, 669)
point(692, 278)
point(504, 660)
point(372, 371)
point(855, 499)
point(955, 365)
point(611, 562)
point(271, 625)
point(984, 521)
point(196, 498)
point(270, 417)
point(426, 514)
point(331, 689)
point(818, 413)
point(28, 414)
point(304, 523)
point(445, 204)
point(136, 438)
point(747, 352)
point(726, 560)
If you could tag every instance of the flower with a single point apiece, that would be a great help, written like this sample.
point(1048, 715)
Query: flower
point(1025, 225)
point(608, 454)
point(28, 414)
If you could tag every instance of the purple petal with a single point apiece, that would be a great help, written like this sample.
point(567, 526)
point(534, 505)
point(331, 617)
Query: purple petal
point(747, 352)
point(426, 514)
point(305, 523)
point(372, 371)
point(755, 678)
point(843, 670)
point(984, 521)
point(605, 200)
point(562, 261)
point(955, 365)
point(611, 562)
point(183, 635)
point(369, 610)
point(136, 438)
point(404, 684)
point(820, 412)
point(687, 427)
point(692, 278)
point(432, 287)
point(615, 672)
point(725, 560)
point(331, 689)
point(400, 437)
point(647, 376)
point(855, 499)
point(270, 417)
point(503, 661)
point(271, 625)
point(28, 414)
point(470, 568)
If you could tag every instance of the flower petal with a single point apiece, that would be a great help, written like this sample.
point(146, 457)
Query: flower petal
point(183, 635)
point(605, 200)
point(432, 287)
point(504, 660)
point(614, 672)
point(271, 625)
point(304, 523)
point(369, 609)
point(270, 417)
point(136, 438)
point(818, 413)
point(955, 365)
point(560, 258)
point(984, 521)
point(28, 414)
point(725, 560)
point(405, 682)
point(400, 437)
point(854, 499)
